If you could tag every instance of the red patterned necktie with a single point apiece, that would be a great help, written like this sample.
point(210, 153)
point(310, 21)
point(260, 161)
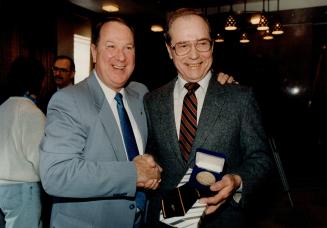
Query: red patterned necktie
point(188, 121)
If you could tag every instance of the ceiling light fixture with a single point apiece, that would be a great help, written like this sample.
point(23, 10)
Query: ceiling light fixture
point(244, 36)
point(110, 7)
point(255, 19)
point(230, 24)
point(277, 27)
point(267, 35)
point(156, 28)
point(219, 38)
point(263, 22)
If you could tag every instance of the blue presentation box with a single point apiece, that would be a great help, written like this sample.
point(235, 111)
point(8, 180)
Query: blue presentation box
point(208, 169)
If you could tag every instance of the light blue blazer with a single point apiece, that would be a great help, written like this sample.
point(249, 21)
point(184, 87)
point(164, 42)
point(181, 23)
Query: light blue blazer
point(83, 163)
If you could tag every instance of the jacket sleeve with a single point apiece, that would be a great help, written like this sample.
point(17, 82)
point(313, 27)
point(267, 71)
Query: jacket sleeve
point(257, 164)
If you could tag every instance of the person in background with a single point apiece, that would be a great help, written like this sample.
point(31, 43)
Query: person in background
point(21, 130)
point(63, 70)
point(62, 75)
point(86, 162)
point(227, 120)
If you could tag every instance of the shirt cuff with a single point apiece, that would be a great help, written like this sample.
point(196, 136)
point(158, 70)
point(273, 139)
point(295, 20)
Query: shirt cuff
point(238, 194)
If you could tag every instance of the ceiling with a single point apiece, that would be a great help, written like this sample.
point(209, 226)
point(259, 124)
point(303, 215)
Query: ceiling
point(160, 7)
point(145, 6)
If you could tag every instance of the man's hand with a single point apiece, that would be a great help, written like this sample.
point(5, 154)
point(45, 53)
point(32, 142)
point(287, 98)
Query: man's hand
point(226, 188)
point(148, 172)
point(225, 78)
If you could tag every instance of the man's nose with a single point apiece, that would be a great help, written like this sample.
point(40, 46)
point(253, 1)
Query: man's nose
point(120, 55)
point(194, 53)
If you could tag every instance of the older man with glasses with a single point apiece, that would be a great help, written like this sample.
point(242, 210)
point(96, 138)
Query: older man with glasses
point(195, 113)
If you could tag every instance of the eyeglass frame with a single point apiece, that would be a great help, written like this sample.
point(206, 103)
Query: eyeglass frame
point(173, 46)
point(61, 70)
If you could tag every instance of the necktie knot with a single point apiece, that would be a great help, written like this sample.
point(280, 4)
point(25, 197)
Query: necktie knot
point(191, 86)
point(119, 98)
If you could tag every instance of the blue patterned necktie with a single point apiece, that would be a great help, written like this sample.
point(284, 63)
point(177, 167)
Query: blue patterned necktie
point(130, 142)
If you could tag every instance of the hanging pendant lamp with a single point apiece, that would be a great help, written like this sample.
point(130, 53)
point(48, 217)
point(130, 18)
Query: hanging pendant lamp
point(263, 22)
point(231, 24)
point(219, 38)
point(267, 35)
point(277, 28)
point(244, 36)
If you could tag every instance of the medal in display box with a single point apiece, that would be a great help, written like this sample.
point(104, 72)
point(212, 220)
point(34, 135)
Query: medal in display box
point(207, 170)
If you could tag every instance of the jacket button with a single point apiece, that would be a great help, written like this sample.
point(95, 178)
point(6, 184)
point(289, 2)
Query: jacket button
point(132, 206)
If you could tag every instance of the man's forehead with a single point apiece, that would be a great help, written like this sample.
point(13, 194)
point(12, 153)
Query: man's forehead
point(188, 29)
point(62, 62)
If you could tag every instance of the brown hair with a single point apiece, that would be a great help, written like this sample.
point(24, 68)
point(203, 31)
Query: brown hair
point(71, 61)
point(172, 16)
point(25, 75)
point(96, 33)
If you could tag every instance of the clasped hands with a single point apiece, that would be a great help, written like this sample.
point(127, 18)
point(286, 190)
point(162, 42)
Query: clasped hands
point(148, 172)
point(225, 188)
point(149, 177)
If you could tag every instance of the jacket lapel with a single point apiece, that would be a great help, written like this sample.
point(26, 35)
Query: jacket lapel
point(107, 118)
point(210, 114)
point(137, 109)
point(168, 117)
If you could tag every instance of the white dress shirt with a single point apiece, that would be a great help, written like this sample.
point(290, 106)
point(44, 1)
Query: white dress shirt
point(180, 92)
point(110, 96)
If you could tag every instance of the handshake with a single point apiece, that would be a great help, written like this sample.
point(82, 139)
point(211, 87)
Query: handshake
point(148, 172)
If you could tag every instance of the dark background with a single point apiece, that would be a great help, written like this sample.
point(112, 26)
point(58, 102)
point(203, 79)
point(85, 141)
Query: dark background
point(297, 122)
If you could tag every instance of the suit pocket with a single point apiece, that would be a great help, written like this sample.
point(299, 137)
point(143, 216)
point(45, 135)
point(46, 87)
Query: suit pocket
point(63, 221)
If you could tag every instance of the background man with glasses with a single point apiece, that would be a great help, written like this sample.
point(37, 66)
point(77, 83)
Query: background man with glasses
point(63, 71)
point(222, 119)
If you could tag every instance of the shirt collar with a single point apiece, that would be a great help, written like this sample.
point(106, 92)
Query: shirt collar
point(108, 92)
point(204, 82)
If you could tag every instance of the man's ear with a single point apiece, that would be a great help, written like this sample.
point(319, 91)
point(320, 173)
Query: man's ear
point(169, 51)
point(94, 53)
point(72, 75)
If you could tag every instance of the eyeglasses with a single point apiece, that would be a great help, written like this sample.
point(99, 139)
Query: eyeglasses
point(60, 70)
point(184, 47)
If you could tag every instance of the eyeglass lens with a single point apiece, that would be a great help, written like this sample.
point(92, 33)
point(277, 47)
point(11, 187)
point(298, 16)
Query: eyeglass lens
point(184, 48)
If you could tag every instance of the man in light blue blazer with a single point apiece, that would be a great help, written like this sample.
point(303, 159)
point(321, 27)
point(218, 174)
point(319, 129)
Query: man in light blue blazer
point(84, 163)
